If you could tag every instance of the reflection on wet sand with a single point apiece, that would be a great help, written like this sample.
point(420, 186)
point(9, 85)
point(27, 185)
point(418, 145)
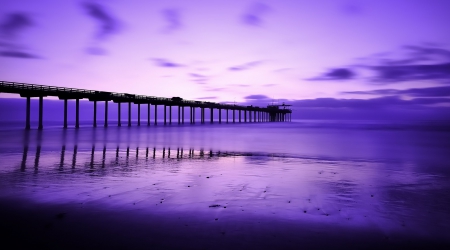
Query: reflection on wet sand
point(116, 156)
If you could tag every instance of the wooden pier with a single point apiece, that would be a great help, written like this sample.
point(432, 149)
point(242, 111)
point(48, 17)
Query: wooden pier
point(271, 113)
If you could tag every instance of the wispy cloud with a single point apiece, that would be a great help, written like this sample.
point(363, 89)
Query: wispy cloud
point(198, 78)
point(18, 54)
point(14, 24)
point(374, 103)
point(415, 92)
point(173, 19)
point(207, 98)
point(107, 23)
point(161, 62)
point(335, 74)
point(256, 97)
point(253, 16)
point(415, 63)
point(245, 66)
point(11, 27)
point(215, 89)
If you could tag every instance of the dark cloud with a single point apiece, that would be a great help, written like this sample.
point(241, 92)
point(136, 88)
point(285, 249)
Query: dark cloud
point(415, 63)
point(256, 97)
point(374, 103)
point(15, 23)
point(335, 74)
point(12, 26)
point(402, 73)
point(253, 16)
point(160, 62)
point(18, 54)
point(416, 92)
point(108, 24)
point(245, 66)
point(173, 19)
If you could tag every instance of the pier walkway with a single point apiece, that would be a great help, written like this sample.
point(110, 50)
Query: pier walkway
point(271, 113)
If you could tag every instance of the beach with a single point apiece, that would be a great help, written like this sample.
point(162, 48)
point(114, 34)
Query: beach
point(298, 185)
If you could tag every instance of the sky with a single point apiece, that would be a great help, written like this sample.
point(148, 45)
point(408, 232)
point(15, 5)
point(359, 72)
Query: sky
point(327, 58)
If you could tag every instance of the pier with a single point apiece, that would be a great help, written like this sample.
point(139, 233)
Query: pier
point(239, 113)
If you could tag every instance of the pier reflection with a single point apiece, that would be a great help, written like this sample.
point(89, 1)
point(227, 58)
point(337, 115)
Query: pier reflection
point(102, 156)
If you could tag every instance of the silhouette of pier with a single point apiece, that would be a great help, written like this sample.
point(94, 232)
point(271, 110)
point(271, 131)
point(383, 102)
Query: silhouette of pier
point(271, 113)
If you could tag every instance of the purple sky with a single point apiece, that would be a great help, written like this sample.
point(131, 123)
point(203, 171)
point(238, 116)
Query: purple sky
point(318, 55)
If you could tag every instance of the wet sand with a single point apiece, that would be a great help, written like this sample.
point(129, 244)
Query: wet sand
point(133, 188)
point(81, 226)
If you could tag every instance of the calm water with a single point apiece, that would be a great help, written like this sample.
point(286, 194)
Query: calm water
point(393, 179)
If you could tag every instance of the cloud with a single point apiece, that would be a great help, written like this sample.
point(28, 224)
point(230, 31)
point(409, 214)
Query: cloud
point(215, 89)
point(173, 19)
point(207, 98)
point(18, 54)
point(374, 103)
point(15, 23)
point(415, 92)
point(256, 97)
point(245, 66)
point(108, 24)
point(402, 73)
point(198, 78)
point(335, 74)
point(160, 62)
point(414, 63)
point(253, 16)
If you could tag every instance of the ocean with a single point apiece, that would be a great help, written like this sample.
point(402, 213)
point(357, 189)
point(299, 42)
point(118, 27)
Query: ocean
point(284, 185)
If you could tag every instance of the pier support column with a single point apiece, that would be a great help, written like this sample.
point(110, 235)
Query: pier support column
point(156, 114)
point(220, 115)
point(27, 122)
point(239, 116)
point(77, 113)
point(170, 115)
point(179, 115)
point(148, 114)
point(227, 114)
point(182, 114)
point(202, 115)
point(234, 116)
point(106, 114)
point(119, 123)
point(139, 114)
point(129, 114)
point(245, 115)
point(65, 113)
point(95, 114)
point(41, 110)
point(165, 115)
point(212, 115)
